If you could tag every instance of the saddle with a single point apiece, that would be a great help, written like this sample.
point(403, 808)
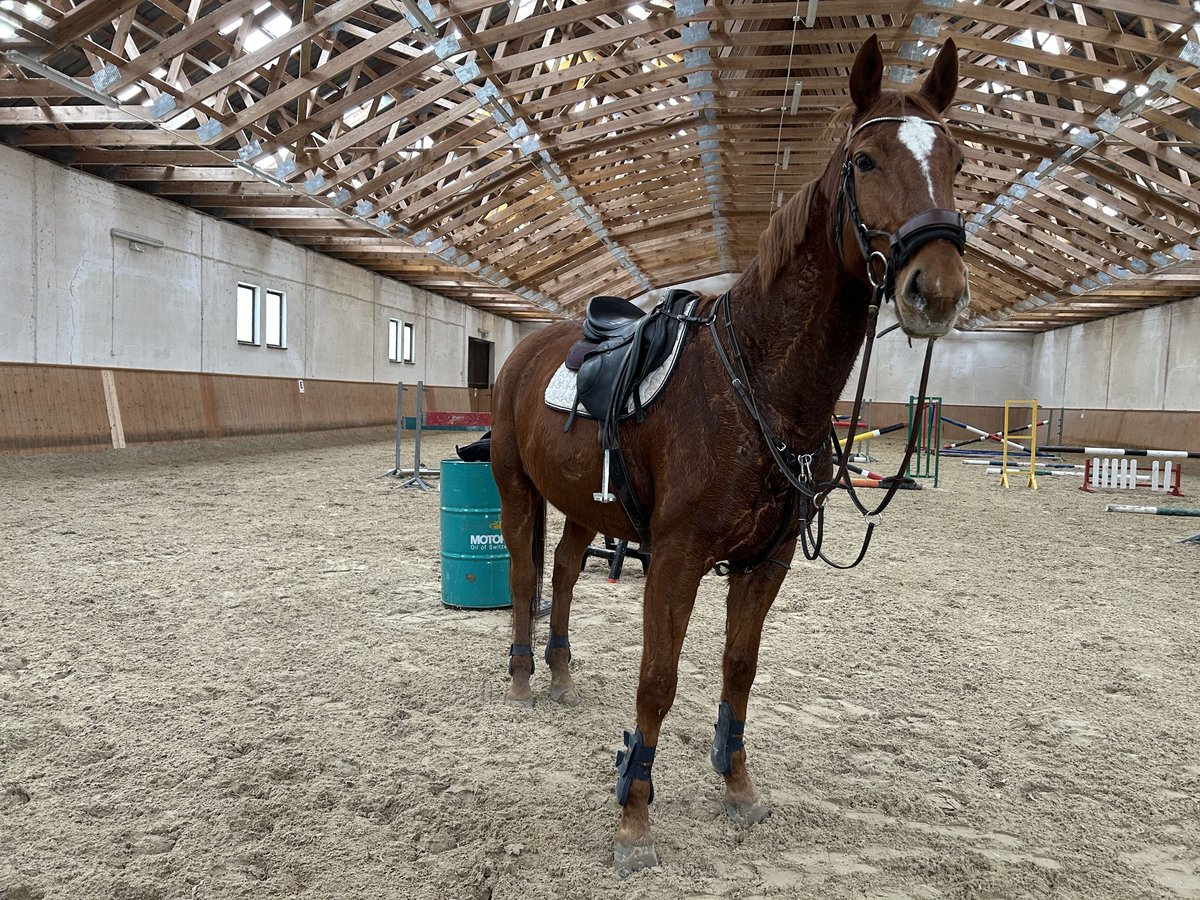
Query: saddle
point(620, 346)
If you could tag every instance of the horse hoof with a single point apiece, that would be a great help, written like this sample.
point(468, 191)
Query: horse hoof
point(567, 696)
point(747, 813)
point(525, 702)
point(628, 859)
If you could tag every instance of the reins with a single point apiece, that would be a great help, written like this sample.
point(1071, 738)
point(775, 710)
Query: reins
point(797, 468)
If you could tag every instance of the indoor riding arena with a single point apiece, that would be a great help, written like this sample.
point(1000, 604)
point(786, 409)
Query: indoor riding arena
point(884, 427)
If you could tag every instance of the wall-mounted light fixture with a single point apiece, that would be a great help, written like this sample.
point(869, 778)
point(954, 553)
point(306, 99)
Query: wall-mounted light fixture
point(137, 242)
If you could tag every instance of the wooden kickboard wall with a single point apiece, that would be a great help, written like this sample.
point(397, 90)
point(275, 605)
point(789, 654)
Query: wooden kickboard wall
point(66, 408)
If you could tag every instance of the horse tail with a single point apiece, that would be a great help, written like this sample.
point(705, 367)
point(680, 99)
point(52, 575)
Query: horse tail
point(539, 554)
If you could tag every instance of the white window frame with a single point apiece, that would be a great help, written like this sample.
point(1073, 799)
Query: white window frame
point(400, 333)
point(394, 340)
point(255, 315)
point(408, 335)
point(282, 318)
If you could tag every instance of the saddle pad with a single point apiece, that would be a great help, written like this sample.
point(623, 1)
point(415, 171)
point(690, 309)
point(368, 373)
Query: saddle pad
point(560, 392)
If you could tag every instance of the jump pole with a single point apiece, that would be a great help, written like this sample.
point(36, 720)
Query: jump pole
point(1119, 451)
point(993, 436)
point(867, 435)
point(1153, 510)
point(983, 434)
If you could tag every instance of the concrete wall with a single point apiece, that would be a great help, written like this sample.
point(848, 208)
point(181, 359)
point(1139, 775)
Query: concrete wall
point(1140, 360)
point(1145, 360)
point(72, 294)
point(967, 369)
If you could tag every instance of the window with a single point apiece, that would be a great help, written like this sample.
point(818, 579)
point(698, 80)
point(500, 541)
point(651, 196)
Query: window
point(401, 341)
point(276, 319)
point(247, 314)
point(407, 343)
point(394, 340)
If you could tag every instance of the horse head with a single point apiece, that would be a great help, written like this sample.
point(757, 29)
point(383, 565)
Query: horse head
point(897, 223)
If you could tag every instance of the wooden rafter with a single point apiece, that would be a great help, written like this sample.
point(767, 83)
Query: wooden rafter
point(583, 173)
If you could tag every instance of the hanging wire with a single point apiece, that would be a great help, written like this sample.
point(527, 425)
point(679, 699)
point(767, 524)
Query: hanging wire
point(787, 86)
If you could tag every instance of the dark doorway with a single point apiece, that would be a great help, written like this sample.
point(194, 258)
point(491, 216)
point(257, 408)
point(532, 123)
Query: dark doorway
point(479, 363)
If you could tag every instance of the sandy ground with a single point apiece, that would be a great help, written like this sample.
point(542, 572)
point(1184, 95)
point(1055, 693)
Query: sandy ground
point(225, 672)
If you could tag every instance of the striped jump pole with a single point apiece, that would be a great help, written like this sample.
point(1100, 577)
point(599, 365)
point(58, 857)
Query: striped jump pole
point(1120, 451)
point(1153, 510)
point(994, 436)
point(867, 435)
point(983, 434)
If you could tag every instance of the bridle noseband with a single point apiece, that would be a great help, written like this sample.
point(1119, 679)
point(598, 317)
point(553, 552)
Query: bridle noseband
point(935, 224)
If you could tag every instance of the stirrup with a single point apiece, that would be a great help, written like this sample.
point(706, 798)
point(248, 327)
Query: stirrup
point(604, 495)
point(557, 642)
point(634, 763)
point(728, 739)
point(520, 650)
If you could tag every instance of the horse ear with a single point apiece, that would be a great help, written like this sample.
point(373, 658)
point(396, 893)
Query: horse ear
point(866, 75)
point(941, 83)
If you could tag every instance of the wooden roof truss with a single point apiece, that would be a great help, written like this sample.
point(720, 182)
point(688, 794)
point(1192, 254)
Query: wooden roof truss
point(521, 156)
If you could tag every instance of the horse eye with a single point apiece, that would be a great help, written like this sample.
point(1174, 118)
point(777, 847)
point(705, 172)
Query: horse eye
point(958, 167)
point(863, 163)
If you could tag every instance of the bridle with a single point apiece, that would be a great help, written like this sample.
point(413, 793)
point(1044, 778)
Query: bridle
point(903, 243)
point(930, 225)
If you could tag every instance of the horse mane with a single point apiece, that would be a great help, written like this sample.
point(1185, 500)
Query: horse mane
point(784, 233)
point(788, 226)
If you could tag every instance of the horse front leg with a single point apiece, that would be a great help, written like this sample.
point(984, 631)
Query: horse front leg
point(523, 522)
point(670, 594)
point(567, 557)
point(750, 597)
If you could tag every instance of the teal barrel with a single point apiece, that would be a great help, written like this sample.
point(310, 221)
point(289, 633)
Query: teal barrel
point(474, 558)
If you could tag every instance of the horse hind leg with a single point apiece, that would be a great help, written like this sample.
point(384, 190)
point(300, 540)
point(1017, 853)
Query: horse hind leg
point(750, 597)
point(567, 558)
point(523, 523)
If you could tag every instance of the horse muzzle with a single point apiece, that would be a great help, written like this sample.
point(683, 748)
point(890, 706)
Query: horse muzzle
point(932, 292)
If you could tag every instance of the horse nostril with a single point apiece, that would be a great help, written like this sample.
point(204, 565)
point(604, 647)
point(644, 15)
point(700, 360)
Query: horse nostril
point(916, 290)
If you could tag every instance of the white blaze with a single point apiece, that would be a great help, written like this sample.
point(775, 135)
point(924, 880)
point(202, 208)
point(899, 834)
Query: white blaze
point(918, 136)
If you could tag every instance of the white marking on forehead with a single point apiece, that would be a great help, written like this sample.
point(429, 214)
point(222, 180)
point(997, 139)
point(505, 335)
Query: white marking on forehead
point(918, 136)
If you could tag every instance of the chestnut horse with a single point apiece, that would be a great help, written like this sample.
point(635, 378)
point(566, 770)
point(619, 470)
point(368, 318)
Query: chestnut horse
point(698, 462)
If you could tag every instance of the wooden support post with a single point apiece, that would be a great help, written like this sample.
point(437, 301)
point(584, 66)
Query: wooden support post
point(114, 409)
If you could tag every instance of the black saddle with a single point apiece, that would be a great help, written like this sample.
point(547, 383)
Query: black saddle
point(620, 346)
point(610, 317)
